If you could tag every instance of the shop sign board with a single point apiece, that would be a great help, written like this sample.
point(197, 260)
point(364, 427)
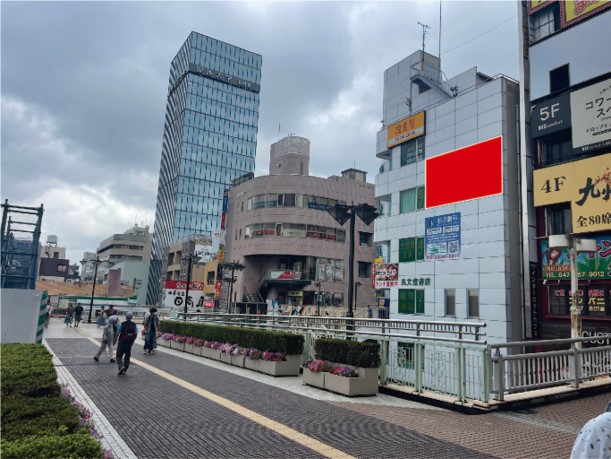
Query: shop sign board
point(592, 266)
point(386, 275)
point(174, 292)
point(586, 184)
point(551, 116)
point(591, 117)
point(405, 129)
point(442, 237)
point(572, 11)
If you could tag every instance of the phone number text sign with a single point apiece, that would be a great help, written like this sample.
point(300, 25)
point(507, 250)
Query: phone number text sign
point(442, 237)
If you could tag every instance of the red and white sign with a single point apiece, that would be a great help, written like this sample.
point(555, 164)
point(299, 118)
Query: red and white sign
point(468, 173)
point(174, 293)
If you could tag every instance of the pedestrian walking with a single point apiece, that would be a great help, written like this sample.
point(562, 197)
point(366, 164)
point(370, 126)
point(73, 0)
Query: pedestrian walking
point(151, 329)
point(69, 315)
point(369, 312)
point(50, 310)
point(109, 338)
point(101, 319)
point(78, 314)
point(126, 335)
point(110, 310)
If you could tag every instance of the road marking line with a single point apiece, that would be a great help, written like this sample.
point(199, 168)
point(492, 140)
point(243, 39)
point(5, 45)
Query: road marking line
point(317, 446)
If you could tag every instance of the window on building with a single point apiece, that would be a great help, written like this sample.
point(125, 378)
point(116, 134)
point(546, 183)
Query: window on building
point(365, 238)
point(559, 220)
point(559, 78)
point(412, 151)
point(411, 301)
point(411, 200)
point(544, 23)
point(450, 302)
point(556, 148)
point(411, 249)
point(210, 278)
point(472, 303)
point(364, 269)
point(559, 299)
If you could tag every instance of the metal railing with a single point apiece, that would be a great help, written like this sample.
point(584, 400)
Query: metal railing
point(564, 363)
point(446, 358)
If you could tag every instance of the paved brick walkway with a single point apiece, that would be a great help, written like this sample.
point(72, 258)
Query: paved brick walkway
point(153, 417)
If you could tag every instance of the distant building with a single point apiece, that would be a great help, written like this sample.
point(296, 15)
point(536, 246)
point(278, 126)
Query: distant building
point(50, 250)
point(209, 139)
point(202, 276)
point(279, 228)
point(132, 245)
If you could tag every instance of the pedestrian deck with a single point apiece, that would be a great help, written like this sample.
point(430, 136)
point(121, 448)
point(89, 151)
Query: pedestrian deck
point(174, 404)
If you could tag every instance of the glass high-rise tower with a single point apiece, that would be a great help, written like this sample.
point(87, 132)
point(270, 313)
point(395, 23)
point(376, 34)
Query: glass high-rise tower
point(209, 139)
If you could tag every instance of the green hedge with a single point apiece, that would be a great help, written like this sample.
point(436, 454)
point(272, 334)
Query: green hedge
point(28, 370)
point(365, 355)
point(265, 340)
point(36, 420)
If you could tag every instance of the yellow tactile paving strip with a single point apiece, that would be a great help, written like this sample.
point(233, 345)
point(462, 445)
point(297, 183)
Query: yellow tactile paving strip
point(317, 446)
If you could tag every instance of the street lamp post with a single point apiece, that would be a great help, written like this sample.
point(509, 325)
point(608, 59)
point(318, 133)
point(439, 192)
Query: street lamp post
point(189, 259)
point(234, 266)
point(575, 246)
point(342, 213)
point(96, 261)
point(357, 284)
point(318, 285)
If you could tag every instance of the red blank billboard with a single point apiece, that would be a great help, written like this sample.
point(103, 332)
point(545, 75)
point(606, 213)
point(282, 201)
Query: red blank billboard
point(468, 173)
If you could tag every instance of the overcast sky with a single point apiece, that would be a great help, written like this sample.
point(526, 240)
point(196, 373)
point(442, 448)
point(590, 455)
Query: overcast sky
point(84, 88)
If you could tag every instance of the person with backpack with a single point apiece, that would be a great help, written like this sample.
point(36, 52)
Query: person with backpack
point(151, 328)
point(126, 335)
point(78, 314)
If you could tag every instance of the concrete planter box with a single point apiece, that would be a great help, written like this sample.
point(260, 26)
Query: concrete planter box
point(163, 342)
point(190, 348)
point(225, 358)
point(366, 383)
point(177, 346)
point(238, 360)
point(313, 379)
point(252, 364)
point(210, 353)
point(288, 367)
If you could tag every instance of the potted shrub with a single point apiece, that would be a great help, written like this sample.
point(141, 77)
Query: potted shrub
point(356, 369)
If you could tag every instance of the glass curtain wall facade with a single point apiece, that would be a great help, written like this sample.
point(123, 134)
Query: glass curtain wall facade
point(209, 139)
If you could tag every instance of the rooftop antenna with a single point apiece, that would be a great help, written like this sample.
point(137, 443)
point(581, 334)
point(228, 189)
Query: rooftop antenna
point(278, 130)
point(424, 32)
point(439, 40)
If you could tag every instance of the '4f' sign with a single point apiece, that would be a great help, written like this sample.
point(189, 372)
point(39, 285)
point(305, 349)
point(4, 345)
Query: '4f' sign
point(553, 184)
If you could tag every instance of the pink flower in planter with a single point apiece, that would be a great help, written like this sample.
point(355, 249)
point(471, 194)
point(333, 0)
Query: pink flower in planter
point(167, 336)
point(318, 365)
point(344, 371)
point(215, 345)
point(179, 339)
point(189, 340)
point(272, 356)
point(198, 342)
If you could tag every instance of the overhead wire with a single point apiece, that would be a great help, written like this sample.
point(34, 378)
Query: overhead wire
point(481, 35)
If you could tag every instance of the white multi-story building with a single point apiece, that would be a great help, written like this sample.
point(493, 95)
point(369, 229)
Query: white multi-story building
point(449, 196)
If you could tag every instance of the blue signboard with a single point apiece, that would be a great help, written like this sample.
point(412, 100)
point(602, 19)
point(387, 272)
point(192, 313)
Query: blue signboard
point(442, 237)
